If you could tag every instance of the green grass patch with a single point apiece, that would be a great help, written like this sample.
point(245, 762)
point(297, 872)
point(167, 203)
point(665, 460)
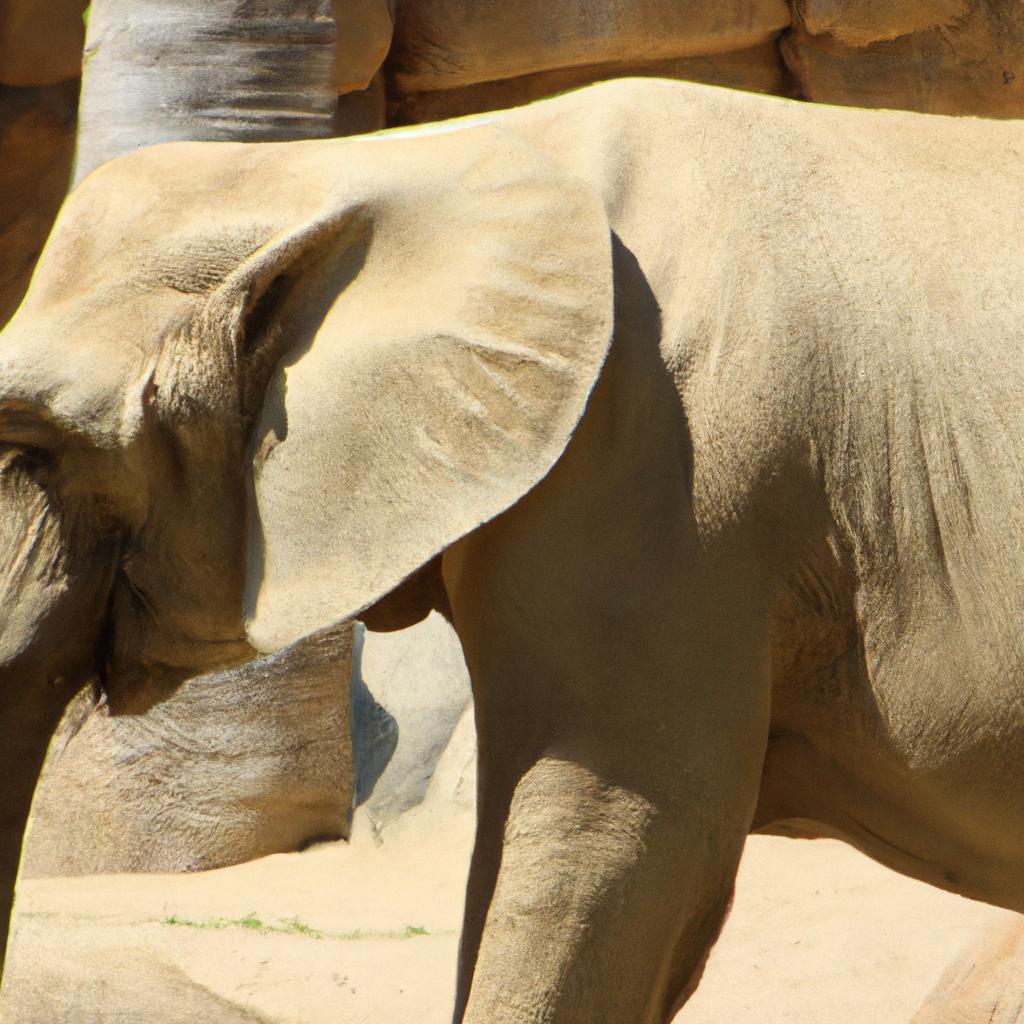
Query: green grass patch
point(290, 926)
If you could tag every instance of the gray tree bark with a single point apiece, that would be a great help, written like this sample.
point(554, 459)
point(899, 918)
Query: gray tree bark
point(222, 70)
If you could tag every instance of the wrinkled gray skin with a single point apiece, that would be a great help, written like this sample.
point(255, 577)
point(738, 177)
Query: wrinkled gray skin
point(232, 765)
point(647, 361)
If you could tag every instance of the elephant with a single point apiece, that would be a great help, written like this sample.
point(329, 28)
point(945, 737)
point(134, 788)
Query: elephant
point(983, 984)
point(704, 370)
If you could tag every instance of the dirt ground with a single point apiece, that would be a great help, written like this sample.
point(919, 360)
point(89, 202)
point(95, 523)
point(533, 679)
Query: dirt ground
point(368, 935)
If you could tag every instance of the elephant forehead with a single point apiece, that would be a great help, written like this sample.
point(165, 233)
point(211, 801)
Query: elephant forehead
point(81, 364)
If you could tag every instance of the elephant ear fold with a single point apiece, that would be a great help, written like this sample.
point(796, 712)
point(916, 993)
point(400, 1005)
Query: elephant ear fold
point(454, 340)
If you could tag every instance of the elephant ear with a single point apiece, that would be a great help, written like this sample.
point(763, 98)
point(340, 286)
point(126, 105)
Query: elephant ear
point(452, 338)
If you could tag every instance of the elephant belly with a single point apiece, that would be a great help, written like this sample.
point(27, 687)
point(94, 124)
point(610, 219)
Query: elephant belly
point(899, 725)
point(924, 774)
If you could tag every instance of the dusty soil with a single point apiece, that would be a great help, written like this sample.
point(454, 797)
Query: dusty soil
point(361, 934)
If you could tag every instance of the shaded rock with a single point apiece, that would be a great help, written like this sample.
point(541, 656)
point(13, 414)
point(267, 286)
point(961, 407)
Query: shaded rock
point(360, 112)
point(41, 42)
point(37, 140)
point(446, 44)
point(374, 731)
point(755, 69)
point(418, 675)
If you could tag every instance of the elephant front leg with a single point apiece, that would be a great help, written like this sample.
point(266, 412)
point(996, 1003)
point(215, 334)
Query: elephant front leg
point(617, 780)
point(605, 904)
point(620, 663)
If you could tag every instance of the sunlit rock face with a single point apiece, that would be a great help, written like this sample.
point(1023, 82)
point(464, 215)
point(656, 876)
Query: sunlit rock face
point(934, 56)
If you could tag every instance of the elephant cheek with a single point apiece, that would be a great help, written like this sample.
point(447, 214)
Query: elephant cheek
point(51, 598)
point(48, 642)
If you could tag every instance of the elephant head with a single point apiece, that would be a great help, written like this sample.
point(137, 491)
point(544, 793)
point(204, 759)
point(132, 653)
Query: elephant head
point(253, 388)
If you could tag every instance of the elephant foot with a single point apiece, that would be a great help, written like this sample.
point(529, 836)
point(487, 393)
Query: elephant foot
point(985, 985)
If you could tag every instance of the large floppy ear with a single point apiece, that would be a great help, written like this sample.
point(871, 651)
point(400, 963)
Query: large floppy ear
point(452, 334)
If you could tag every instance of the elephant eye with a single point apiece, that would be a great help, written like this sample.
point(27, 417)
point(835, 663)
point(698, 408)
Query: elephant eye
point(137, 593)
point(27, 457)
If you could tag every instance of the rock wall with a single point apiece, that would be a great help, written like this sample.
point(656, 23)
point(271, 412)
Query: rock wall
point(37, 140)
point(40, 60)
point(408, 61)
point(939, 57)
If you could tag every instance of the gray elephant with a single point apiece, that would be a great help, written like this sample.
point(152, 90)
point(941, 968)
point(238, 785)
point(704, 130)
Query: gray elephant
point(651, 361)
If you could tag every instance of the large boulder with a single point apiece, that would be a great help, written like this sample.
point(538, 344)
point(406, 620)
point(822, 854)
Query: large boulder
point(41, 41)
point(40, 61)
point(935, 56)
point(756, 68)
point(419, 678)
point(37, 140)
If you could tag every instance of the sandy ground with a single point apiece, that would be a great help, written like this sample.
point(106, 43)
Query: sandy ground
point(356, 934)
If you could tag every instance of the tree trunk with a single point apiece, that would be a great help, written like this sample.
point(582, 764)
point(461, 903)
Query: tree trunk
point(223, 70)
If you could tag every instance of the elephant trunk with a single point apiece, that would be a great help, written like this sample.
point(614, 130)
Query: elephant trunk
point(30, 710)
point(200, 70)
point(55, 580)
